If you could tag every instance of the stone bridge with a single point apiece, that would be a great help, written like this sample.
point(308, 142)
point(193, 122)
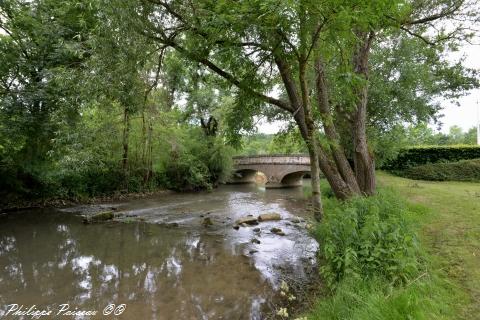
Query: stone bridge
point(280, 170)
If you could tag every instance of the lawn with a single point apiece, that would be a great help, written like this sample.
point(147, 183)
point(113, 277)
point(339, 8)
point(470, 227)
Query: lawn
point(450, 232)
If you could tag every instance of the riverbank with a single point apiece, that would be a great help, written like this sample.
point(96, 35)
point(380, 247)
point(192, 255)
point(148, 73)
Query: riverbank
point(447, 221)
point(14, 203)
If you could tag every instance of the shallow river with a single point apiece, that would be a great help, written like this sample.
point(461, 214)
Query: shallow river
point(164, 261)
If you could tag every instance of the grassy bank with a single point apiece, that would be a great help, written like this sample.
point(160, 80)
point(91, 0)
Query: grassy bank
point(450, 232)
point(446, 218)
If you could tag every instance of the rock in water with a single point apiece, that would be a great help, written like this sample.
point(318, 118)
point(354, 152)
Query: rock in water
point(207, 222)
point(277, 231)
point(99, 217)
point(295, 220)
point(269, 217)
point(256, 241)
point(247, 220)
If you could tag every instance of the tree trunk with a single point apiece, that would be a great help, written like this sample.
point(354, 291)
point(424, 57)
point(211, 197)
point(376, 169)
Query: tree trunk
point(303, 117)
point(312, 143)
point(331, 133)
point(315, 178)
point(126, 132)
point(309, 136)
point(364, 162)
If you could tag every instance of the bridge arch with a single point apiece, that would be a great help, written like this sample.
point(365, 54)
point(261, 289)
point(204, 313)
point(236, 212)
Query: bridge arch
point(280, 170)
point(244, 176)
point(294, 178)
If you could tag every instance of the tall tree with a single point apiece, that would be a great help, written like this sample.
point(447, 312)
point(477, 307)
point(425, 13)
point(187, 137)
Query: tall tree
point(43, 48)
point(309, 50)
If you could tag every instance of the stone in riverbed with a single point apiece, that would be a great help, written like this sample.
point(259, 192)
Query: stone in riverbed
point(99, 217)
point(207, 222)
point(169, 225)
point(295, 220)
point(247, 220)
point(277, 231)
point(269, 217)
point(256, 241)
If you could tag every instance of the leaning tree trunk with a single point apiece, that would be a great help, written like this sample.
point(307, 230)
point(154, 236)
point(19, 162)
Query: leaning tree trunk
point(315, 176)
point(126, 133)
point(301, 112)
point(311, 140)
point(308, 133)
point(363, 158)
point(338, 152)
point(364, 162)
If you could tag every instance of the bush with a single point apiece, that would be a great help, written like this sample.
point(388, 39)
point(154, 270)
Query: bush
point(415, 156)
point(198, 165)
point(466, 170)
point(184, 172)
point(367, 238)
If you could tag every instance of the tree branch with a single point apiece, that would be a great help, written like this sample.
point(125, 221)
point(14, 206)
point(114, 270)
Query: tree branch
point(232, 79)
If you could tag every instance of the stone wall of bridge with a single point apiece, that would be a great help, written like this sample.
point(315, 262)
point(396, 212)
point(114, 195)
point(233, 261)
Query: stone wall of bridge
point(280, 170)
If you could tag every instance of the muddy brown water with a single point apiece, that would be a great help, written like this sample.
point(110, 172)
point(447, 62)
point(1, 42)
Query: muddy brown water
point(162, 262)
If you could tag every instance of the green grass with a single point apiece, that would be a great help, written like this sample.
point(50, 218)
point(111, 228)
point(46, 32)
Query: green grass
point(447, 220)
point(423, 299)
point(450, 232)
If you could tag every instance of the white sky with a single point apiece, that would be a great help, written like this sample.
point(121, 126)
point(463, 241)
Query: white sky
point(464, 115)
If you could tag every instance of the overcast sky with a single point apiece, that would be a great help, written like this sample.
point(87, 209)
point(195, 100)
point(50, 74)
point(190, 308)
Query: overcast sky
point(464, 115)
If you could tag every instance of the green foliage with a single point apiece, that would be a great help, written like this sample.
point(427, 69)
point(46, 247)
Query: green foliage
point(388, 144)
point(373, 262)
point(284, 142)
point(415, 156)
point(198, 165)
point(288, 142)
point(422, 134)
point(43, 47)
point(374, 299)
point(367, 238)
point(256, 144)
point(465, 170)
point(409, 77)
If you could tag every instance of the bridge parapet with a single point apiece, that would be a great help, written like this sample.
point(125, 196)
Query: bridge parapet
point(300, 159)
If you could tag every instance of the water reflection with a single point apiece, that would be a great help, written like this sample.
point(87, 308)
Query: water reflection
point(49, 258)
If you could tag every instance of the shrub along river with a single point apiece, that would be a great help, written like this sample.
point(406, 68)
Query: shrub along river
point(172, 256)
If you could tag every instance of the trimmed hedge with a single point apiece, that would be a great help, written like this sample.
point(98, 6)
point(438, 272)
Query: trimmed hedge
point(465, 170)
point(416, 156)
